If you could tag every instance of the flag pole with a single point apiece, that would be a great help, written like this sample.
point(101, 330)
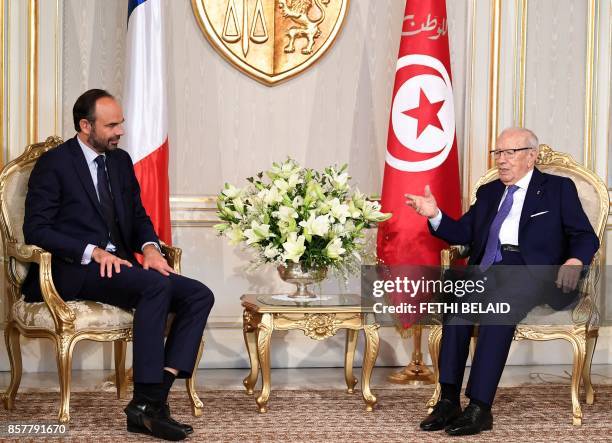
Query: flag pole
point(416, 372)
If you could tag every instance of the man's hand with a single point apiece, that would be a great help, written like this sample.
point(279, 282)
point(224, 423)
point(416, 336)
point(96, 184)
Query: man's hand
point(569, 274)
point(424, 205)
point(108, 261)
point(154, 260)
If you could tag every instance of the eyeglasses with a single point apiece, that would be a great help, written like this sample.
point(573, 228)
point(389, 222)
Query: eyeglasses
point(509, 153)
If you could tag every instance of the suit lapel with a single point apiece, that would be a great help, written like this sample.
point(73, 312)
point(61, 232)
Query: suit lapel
point(533, 197)
point(82, 170)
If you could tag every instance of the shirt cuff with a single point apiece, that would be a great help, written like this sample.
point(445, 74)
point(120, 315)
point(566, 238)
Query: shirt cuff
point(86, 259)
point(154, 244)
point(436, 220)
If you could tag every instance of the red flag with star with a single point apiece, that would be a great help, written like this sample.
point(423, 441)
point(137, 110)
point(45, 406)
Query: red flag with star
point(421, 145)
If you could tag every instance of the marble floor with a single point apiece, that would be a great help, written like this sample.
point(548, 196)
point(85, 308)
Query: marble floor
point(306, 378)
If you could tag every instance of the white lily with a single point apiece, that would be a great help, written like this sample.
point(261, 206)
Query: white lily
point(294, 179)
point(235, 235)
point(354, 212)
point(282, 185)
point(338, 210)
point(257, 233)
point(371, 212)
point(359, 199)
point(285, 213)
point(287, 226)
point(334, 249)
point(315, 226)
point(272, 196)
point(339, 181)
point(239, 205)
point(294, 247)
point(230, 191)
point(284, 170)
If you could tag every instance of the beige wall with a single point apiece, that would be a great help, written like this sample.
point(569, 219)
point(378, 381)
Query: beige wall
point(225, 126)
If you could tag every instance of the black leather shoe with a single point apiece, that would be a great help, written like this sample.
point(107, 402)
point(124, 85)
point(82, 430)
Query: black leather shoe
point(166, 409)
point(150, 418)
point(473, 420)
point(444, 412)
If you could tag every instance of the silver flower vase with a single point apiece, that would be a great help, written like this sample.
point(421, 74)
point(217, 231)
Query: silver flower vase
point(301, 277)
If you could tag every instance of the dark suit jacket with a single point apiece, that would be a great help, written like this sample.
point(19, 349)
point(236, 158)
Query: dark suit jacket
point(63, 214)
point(549, 239)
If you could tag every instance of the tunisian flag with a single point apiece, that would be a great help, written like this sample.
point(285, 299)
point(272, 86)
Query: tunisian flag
point(145, 110)
point(421, 145)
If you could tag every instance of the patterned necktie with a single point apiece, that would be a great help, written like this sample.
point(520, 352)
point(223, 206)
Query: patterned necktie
point(492, 252)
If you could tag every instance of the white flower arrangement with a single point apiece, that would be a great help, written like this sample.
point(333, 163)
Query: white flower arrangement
point(299, 215)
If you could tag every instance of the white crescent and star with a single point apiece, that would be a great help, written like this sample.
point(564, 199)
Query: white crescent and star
point(422, 115)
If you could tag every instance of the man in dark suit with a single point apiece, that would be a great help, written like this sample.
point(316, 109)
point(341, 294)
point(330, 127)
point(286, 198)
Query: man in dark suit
point(524, 218)
point(83, 205)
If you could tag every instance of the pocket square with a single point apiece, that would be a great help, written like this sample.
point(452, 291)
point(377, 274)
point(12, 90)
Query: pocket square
point(538, 213)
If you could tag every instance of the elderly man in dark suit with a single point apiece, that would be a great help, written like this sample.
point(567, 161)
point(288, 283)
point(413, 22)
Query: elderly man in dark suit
point(83, 205)
point(525, 217)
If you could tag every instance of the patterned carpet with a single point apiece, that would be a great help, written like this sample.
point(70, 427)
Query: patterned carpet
point(529, 413)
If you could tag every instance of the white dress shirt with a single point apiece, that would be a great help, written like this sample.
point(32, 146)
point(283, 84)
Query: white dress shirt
point(90, 158)
point(509, 232)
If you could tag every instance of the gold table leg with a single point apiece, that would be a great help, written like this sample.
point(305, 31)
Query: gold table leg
point(266, 326)
point(250, 339)
point(369, 359)
point(349, 357)
point(416, 373)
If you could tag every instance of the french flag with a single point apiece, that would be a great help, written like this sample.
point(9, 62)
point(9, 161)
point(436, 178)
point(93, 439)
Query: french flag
point(145, 107)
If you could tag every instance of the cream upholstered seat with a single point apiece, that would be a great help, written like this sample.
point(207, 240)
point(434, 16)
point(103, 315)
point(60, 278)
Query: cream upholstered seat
point(64, 323)
point(90, 315)
point(579, 325)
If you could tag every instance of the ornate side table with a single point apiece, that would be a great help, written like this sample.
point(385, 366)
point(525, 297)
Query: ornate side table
point(319, 319)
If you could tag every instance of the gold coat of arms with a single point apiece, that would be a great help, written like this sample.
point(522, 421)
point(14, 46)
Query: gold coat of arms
point(271, 40)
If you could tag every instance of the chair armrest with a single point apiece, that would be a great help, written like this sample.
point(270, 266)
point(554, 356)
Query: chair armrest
point(173, 256)
point(455, 252)
point(63, 316)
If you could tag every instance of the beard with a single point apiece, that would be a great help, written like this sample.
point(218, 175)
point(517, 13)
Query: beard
point(101, 144)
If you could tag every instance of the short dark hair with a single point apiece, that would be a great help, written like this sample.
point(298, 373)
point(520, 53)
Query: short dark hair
point(85, 106)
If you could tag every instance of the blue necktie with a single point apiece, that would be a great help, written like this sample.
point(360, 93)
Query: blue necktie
point(492, 252)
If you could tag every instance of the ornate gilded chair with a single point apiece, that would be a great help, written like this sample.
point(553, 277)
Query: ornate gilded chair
point(579, 326)
point(64, 323)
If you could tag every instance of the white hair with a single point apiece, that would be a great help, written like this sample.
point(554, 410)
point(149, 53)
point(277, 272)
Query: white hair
point(530, 137)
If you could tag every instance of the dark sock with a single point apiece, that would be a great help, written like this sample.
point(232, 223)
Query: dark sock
point(484, 406)
point(149, 392)
point(154, 392)
point(169, 378)
point(450, 392)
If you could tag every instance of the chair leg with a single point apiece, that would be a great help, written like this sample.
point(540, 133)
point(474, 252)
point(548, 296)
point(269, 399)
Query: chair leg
point(586, 371)
point(120, 347)
point(579, 348)
point(13, 348)
point(64, 345)
point(435, 338)
point(196, 403)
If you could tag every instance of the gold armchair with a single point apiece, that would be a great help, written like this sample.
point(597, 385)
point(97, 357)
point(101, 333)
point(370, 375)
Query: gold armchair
point(579, 326)
point(64, 323)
